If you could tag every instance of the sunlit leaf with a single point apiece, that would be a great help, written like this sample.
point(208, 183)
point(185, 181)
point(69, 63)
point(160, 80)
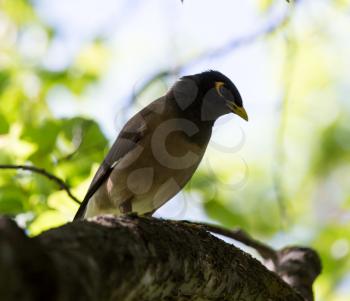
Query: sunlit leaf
point(44, 135)
point(265, 4)
point(334, 147)
point(4, 125)
point(11, 200)
point(48, 219)
point(93, 59)
point(343, 3)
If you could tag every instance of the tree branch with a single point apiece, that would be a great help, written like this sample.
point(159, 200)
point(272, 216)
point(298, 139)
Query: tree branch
point(264, 250)
point(44, 173)
point(131, 258)
point(298, 266)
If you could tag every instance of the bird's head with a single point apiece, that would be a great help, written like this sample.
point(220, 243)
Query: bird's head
point(211, 94)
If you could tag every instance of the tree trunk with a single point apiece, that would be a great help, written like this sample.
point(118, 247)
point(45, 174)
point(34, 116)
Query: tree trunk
point(130, 258)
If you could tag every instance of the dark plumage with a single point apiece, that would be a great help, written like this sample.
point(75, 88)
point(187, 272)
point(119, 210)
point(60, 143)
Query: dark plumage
point(205, 80)
point(159, 149)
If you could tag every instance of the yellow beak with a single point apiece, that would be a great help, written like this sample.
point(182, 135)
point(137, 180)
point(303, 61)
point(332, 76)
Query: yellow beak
point(240, 111)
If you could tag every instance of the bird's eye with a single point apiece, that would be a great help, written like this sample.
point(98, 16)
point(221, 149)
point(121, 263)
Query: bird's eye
point(222, 90)
point(225, 93)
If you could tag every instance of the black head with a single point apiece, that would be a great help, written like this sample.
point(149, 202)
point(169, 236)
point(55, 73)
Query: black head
point(209, 94)
point(207, 80)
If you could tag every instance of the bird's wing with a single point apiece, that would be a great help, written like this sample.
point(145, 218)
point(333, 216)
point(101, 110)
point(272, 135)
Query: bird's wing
point(128, 139)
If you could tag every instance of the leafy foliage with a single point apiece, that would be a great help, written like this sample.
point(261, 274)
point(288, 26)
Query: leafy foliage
point(29, 133)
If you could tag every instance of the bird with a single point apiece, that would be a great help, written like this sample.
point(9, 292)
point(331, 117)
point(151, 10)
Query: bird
point(160, 147)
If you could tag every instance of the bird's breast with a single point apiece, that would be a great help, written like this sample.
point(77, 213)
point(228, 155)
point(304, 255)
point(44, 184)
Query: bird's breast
point(156, 169)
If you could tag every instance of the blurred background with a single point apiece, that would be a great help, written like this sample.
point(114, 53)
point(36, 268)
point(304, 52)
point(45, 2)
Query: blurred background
point(72, 73)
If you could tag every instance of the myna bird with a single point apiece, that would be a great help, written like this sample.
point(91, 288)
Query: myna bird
point(160, 147)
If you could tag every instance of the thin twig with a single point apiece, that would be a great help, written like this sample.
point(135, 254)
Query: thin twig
point(44, 173)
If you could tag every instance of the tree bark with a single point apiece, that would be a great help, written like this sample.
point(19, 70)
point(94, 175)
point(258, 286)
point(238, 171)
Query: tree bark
point(131, 258)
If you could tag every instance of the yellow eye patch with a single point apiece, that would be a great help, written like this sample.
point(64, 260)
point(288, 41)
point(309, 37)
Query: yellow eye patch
point(218, 86)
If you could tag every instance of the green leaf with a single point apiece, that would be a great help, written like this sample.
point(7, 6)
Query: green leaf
point(334, 147)
point(4, 125)
point(264, 5)
point(11, 200)
point(44, 135)
point(80, 143)
point(4, 80)
point(343, 3)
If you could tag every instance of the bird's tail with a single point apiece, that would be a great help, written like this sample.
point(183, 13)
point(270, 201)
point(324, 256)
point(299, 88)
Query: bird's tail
point(81, 211)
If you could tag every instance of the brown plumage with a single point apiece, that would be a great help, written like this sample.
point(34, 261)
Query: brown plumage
point(159, 149)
